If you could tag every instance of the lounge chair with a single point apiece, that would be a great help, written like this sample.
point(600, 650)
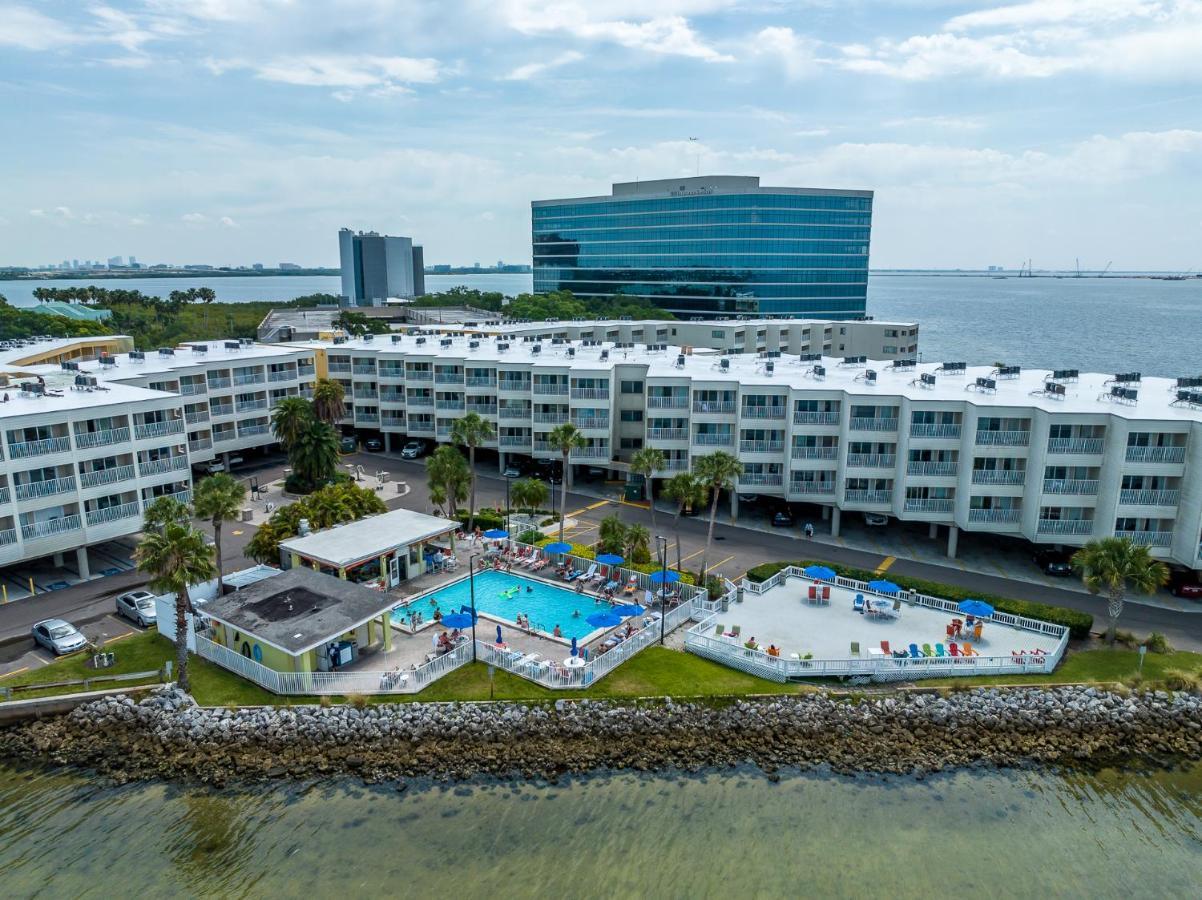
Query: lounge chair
point(857, 605)
point(813, 592)
point(719, 630)
point(900, 654)
point(735, 631)
point(589, 573)
point(596, 577)
point(968, 650)
point(826, 592)
point(954, 649)
point(939, 651)
point(855, 648)
point(611, 586)
point(631, 585)
point(885, 648)
point(915, 653)
point(927, 651)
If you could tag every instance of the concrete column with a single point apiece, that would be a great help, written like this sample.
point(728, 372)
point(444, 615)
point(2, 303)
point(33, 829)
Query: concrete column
point(953, 538)
point(500, 460)
point(81, 562)
point(734, 505)
point(835, 516)
point(826, 514)
point(933, 530)
point(58, 560)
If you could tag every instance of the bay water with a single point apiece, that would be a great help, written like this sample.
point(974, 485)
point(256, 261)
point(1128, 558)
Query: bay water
point(1021, 833)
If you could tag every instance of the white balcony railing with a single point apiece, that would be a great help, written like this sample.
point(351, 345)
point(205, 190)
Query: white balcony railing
point(761, 479)
point(513, 412)
point(480, 381)
point(48, 488)
point(541, 387)
point(221, 409)
point(871, 460)
point(1075, 445)
point(86, 439)
point(216, 383)
point(601, 393)
point(932, 468)
point(925, 430)
point(811, 487)
point(1156, 454)
point(364, 370)
point(865, 423)
point(26, 449)
point(159, 429)
point(252, 430)
point(163, 464)
point(1065, 526)
point(856, 495)
point(929, 504)
point(515, 440)
point(762, 412)
point(1087, 487)
point(419, 400)
point(8, 536)
point(113, 513)
point(515, 385)
point(1003, 438)
point(1147, 538)
point(600, 422)
point(999, 476)
point(482, 409)
point(545, 418)
point(199, 444)
point(453, 405)
point(668, 402)
point(221, 437)
point(722, 407)
point(340, 367)
point(250, 405)
point(713, 440)
point(5, 495)
point(761, 446)
point(1149, 497)
point(816, 418)
point(392, 421)
point(105, 476)
point(253, 378)
point(800, 452)
point(37, 530)
point(194, 387)
point(600, 451)
point(448, 377)
point(995, 516)
point(195, 418)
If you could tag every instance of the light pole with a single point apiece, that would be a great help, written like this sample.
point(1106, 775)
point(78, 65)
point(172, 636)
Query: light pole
point(471, 579)
point(507, 505)
point(661, 544)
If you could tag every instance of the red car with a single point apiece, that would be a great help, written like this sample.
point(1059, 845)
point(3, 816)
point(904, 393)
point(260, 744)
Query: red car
point(1186, 585)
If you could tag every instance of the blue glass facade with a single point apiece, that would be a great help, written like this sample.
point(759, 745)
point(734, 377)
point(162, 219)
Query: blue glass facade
point(710, 248)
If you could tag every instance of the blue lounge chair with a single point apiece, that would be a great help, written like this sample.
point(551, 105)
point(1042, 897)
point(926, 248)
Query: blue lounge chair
point(857, 605)
point(939, 651)
point(915, 653)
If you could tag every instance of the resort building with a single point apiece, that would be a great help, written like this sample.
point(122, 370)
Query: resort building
point(710, 247)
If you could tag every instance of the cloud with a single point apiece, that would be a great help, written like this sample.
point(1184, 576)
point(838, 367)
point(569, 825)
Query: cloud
point(943, 123)
point(528, 71)
point(795, 53)
point(1054, 12)
point(227, 222)
point(194, 218)
point(382, 74)
point(29, 29)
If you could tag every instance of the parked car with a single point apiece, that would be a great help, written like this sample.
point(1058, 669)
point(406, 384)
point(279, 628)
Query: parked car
point(782, 518)
point(1186, 584)
point(138, 606)
point(512, 470)
point(1054, 562)
point(218, 465)
point(375, 445)
point(348, 443)
point(58, 637)
point(875, 519)
point(414, 449)
point(549, 470)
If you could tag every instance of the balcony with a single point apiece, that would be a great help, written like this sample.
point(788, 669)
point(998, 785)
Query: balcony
point(482, 409)
point(811, 487)
point(514, 386)
point(514, 440)
point(253, 378)
point(804, 452)
point(932, 468)
point(448, 377)
point(601, 422)
point(419, 375)
point(871, 460)
point(862, 496)
point(761, 479)
point(1156, 454)
point(859, 423)
point(364, 369)
point(195, 418)
point(995, 516)
point(221, 409)
point(192, 387)
point(28, 449)
point(8, 536)
point(184, 497)
point(419, 400)
point(364, 394)
point(105, 476)
point(452, 405)
point(815, 418)
point(367, 418)
point(113, 513)
point(392, 396)
point(33, 489)
point(37, 530)
point(513, 412)
point(1075, 445)
point(674, 465)
point(252, 430)
point(557, 390)
point(922, 430)
point(671, 402)
point(667, 434)
point(163, 464)
point(1065, 526)
point(547, 418)
point(1003, 438)
point(420, 426)
point(929, 504)
point(999, 476)
point(86, 439)
point(392, 421)
point(161, 429)
point(713, 440)
point(393, 372)
point(723, 407)
point(443, 431)
point(761, 446)
point(340, 368)
point(281, 375)
point(579, 393)
point(1081, 487)
point(480, 381)
point(302, 370)
point(5, 495)
point(217, 383)
point(250, 405)
point(600, 451)
point(200, 444)
point(1147, 538)
point(1149, 497)
point(762, 412)
point(221, 437)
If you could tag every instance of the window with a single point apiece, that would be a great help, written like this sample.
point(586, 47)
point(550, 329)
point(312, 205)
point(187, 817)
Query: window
point(632, 387)
point(631, 443)
point(632, 415)
point(716, 333)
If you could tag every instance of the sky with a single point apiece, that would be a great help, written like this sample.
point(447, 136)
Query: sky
point(232, 132)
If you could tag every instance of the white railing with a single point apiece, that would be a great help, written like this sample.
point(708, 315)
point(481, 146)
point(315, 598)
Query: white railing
point(859, 423)
point(816, 418)
point(480, 381)
point(453, 405)
point(221, 409)
point(418, 400)
point(5, 495)
point(8, 536)
point(105, 476)
point(250, 405)
point(364, 370)
point(760, 446)
point(599, 451)
point(281, 375)
point(195, 418)
point(1156, 454)
point(514, 440)
point(448, 377)
point(513, 385)
point(580, 393)
point(999, 476)
point(35, 530)
point(113, 513)
point(995, 516)
point(811, 487)
point(159, 429)
point(925, 430)
point(1080, 486)
point(761, 479)
point(1065, 526)
point(215, 383)
point(548, 418)
point(419, 375)
point(872, 460)
point(392, 396)
point(1149, 497)
point(48, 488)
point(417, 424)
point(85, 439)
point(194, 387)
point(721, 407)
point(249, 430)
point(1075, 445)
point(482, 409)
point(762, 412)
point(365, 395)
point(931, 468)
point(200, 444)
point(340, 367)
point(800, 452)
point(26, 449)
point(1003, 438)
point(391, 374)
point(668, 402)
point(163, 464)
point(665, 434)
point(1147, 538)
point(223, 436)
point(856, 495)
point(929, 504)
point(392, 421)
point(713, 440)
point(250, 379)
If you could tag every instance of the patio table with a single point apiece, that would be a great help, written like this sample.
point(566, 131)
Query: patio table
point(875, 651)
point(574, 662)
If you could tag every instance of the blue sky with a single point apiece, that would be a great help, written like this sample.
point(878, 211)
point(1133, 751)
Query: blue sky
point(237, 131)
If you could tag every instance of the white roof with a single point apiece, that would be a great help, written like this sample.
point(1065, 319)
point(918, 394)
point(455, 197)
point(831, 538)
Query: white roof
point(345, 545)
point(508, 326)
point(61, 395)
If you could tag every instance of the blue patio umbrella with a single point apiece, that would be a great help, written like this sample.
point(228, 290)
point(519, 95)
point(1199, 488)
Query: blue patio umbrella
point(495, 534)
point(499, 641)
point(978, 608)
point(457, 620)
point(628, 610)
point(558, 547)
point(610, 559)
point(603, 620)
point(661, 576)
point(822, 573)
point(574, 650)
point(883, 587)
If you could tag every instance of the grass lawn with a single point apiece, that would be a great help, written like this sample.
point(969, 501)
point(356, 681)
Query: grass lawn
point(1101, 664)
point(142, 652)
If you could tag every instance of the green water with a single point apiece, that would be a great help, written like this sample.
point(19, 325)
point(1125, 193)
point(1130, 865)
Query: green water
point(978, 834)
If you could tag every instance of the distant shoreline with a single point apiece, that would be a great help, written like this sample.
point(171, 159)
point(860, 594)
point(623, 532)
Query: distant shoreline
point(174, 273)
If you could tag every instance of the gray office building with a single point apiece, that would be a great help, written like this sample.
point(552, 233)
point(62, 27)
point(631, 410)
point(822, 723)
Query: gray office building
point(378, 266)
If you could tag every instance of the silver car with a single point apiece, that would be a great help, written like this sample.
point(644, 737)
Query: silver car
point(58, 637)
point(138, 606)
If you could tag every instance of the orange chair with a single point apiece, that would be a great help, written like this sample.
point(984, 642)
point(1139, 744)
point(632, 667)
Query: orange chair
point(885, 648)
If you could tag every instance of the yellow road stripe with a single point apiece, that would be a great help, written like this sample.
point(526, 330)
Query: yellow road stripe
point(15, 671)
point(885, 564)
point(641, 504)
point(119, 637)
point(585, 509)
point(691, 555)
point(717, 564)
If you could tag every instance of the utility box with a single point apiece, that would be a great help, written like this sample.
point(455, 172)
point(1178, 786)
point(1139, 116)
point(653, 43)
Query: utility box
point(635, 489)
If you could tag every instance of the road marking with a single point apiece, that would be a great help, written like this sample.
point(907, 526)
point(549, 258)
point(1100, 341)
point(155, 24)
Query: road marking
point(15, 671)
point(236, 532)
point(717, 564)
point(118, 637)
point(638, 504)
point(885, 564)
point(691, 555)
point(585, 509)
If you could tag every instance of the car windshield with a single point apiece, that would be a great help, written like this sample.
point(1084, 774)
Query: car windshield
point(144, 602)
point(61, 631)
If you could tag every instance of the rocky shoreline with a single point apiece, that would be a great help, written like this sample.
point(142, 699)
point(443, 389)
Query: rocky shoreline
point(166, 736)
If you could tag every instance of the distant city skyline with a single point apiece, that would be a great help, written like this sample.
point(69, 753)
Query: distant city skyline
point(242, 131)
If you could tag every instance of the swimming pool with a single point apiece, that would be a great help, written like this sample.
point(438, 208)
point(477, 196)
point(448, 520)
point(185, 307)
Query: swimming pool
point(505, 596)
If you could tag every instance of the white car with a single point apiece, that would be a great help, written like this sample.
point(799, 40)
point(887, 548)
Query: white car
point(876, 519)
point(58, 637)
point(138, 606)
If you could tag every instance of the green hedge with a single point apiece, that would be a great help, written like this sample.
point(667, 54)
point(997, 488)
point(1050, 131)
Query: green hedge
point(1078, 623)
point(485, 519)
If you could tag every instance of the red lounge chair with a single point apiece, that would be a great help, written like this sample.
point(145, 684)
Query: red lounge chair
point(1018, 658)
point(951, 631)
point(885, 648)
point(813, 593)
point(826, 592)
point(953, 649)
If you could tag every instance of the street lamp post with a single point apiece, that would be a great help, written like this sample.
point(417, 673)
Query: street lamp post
point(661, 544)
point(471, 578)
point(507, 505)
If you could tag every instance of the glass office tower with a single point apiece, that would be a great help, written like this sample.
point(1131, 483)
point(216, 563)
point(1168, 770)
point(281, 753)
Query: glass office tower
point(710, 247)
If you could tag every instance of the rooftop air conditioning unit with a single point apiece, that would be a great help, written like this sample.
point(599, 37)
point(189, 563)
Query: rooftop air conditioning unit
point(200, 348)
point(137, 355)
point(107, 361)
point(724, 365)
point(233, 345)
point(396, 338)
point(163, 351)
point(70, 366)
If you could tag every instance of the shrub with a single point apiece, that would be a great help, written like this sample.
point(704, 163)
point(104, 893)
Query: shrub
point(1126, 638)
point(359, 701)
point(485, 518)
point(325, 701)
point(579, 550)
point(1177, 680)
point(651, 568)
point(1158, 643)
point(550, 520)
point(1079, 623)
point(533, 536)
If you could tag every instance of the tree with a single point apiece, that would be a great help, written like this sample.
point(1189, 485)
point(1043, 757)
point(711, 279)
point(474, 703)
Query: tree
point(218, 499)
point(314, 454)
point(449, 478)
point(638, 544)
point(164, 511)
point(565, 438)
point(718, 472)
point(324, 508)
point(176, 557)
point(689, 492)
point(528, 494)
point(328, 396)
point(611, 534)
point(471, 431)
point(647, 462)
point(291, 417)
point(1112, 566)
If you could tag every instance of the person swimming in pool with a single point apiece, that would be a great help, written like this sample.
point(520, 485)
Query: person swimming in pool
point(529, 589)
point(558, 632)
point(575, 614)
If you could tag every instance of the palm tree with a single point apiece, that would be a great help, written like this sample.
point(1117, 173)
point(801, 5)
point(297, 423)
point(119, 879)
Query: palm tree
point(163, 511)
point(647, 462)
point(565, 438)
point(1111, 566)
point(449, 478)
point(472, 431)
point(176, 557)
point(611, 534)
point(291, 417)
point(689, 492)
point(528, 494)
point(314, 454)
point(638, 543)
point(218, 498)
point(328, 396)
point(718, 472)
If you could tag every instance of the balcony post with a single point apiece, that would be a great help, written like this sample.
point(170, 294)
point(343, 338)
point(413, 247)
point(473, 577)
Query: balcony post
point(835, 516)
point(933, 530)
point(81, 563)
point(953, 536)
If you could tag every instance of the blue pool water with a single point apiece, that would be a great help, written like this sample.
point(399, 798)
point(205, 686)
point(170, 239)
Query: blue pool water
point(545, 604)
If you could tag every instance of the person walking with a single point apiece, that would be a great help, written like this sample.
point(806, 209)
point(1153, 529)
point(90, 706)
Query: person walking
point(809, 529)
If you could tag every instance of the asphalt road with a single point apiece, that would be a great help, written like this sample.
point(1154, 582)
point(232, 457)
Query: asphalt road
point(735, 550)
